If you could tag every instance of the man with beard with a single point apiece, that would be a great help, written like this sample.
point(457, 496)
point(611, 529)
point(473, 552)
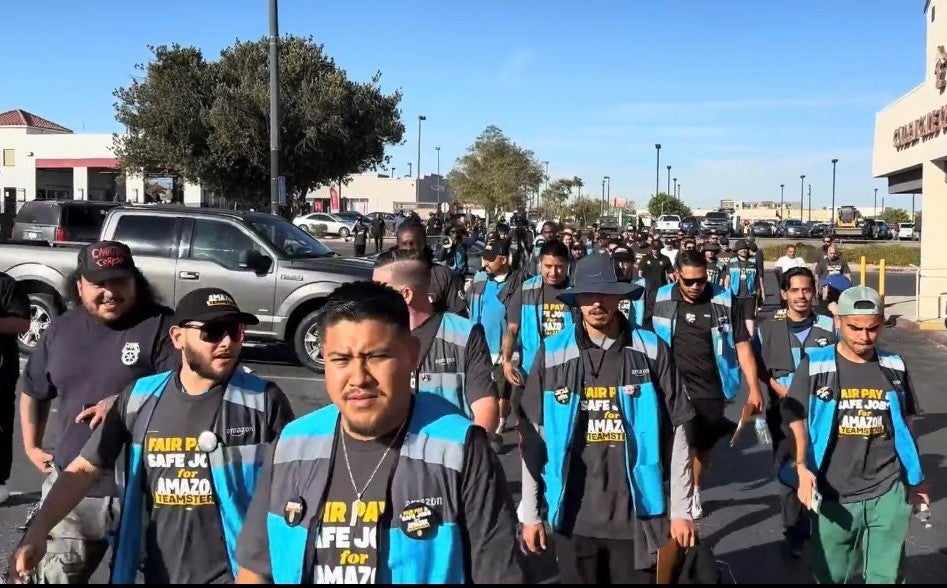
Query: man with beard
point(782, 342)
point(633, 306)
point(455, 360)
point(604, 398)
point(447, 287)
point(831, 264)
point(711, 348)
point(383, 485)
point(116, 334)
point(193, 441)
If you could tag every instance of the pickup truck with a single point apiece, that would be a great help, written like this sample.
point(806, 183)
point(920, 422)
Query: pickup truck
point(273, 269)
point(668, 223)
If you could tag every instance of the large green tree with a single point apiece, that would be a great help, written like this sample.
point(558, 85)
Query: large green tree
point(666, 204)
point(208, 121)
point(495, 173)
point(585, 210)
point(555, 196)
point(894, 215)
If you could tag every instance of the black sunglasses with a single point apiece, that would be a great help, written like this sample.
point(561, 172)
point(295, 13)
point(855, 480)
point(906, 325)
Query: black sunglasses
point(215, 332)
point(693, 281)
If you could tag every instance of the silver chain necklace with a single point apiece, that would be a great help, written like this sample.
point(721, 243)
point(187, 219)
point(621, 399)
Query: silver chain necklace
point(348, 466)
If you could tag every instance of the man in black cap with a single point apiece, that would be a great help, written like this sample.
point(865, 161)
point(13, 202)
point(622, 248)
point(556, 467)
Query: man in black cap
point(745, 282)
point(115, 334)
point(655, 267)
point(604, 398)
point(194, 440)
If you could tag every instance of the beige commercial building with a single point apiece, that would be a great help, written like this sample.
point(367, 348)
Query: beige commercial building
point(374, 192)
point(910, 151)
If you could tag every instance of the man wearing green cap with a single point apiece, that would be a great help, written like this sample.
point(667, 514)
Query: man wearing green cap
point(850, 408)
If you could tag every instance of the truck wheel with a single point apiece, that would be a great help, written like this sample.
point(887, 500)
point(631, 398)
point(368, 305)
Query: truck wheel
point(306, 344)
point(43, 310)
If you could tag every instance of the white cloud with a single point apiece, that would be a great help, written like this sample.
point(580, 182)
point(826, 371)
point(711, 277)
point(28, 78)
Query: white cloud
point(512, 71)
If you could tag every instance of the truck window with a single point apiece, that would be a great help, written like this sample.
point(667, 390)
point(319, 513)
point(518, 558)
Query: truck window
point(146, 235)
point(220, 242)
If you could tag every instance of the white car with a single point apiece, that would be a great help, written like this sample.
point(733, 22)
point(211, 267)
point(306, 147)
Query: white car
point(906, 231)
point(335, 225)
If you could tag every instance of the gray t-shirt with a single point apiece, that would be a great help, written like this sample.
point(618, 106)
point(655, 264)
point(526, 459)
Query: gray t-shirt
point(491, 553)
point(861, 463)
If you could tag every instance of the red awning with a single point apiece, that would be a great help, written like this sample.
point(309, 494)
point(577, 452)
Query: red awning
point(106, 162)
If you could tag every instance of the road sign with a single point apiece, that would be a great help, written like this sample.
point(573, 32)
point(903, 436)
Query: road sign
point(445, 207)
point(281, 189)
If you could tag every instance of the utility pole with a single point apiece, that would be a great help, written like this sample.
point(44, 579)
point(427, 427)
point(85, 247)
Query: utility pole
point(274, 109)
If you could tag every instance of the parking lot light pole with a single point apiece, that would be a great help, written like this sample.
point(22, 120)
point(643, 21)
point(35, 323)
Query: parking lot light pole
point(874, 209)
point(675, 187)
point(781, 192)
point(669, 179)
point(417, 181)
point(274, 108)
point(832, 211)
point(438, 188)
point(810, 203)
point(657, 169)
point(802, 186)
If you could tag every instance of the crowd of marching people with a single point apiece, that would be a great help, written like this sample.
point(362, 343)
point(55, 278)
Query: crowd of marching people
point(612, 357)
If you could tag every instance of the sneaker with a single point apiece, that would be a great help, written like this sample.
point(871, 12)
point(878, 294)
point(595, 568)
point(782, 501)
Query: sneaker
point(697, 509)
point(4, 493)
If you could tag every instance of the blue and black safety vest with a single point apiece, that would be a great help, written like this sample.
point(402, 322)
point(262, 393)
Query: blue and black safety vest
point(531, 321)
point(234, 469)
point(430, 465)
point(638, 403)
point(781, 350)
point(487, 308)
point(744, 271)
point(443, 370)
point(824, 392)
point(664, 323)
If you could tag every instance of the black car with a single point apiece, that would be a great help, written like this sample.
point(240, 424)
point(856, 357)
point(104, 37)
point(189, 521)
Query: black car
point(762, 229)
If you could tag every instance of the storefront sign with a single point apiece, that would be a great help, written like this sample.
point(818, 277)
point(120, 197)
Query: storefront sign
point(932, 123)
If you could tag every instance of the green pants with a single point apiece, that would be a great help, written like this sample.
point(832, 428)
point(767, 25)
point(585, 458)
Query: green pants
point(873, 529)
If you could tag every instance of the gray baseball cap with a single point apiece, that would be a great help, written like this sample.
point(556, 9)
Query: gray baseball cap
point(860, 300)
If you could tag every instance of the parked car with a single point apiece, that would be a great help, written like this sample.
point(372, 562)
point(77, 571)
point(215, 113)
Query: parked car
point(61, 221)
point(763, 229)
point(690, 225)
point(668, 223)
point(272, 268)
point(884, 230)
point(792, 228)
point(819, 230)
point(906, 232)
point(335, 224)
point(718, 223)
point(354, 216)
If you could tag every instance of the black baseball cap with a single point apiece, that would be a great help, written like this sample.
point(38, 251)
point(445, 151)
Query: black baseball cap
point(210, 305)
point(105, 260)
point(496, 248)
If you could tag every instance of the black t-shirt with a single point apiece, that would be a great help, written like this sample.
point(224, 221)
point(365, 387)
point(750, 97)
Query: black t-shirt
point(82, 361)
point(598, 503)
point(553, 313)
point(183, 518)
point(14, 303)
point(478, 363)
point(693, 347)
point(447, 290)
point(861, 463)
point(826, 267)
point(655, 270)
point(488, 518)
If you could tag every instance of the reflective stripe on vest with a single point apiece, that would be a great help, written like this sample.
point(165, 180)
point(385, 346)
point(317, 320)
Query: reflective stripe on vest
point(664, 323)
point(531, 321)
point(430, 465)
point(823, 413)
point(748, 273)
point(234, 469)
point(449, 346)
point(640, 417)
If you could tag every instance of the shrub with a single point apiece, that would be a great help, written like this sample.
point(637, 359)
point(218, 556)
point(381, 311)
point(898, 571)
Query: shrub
point(894, 255)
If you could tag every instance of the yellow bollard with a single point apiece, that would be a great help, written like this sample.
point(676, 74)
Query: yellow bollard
point(864, 270)
point(881, 278)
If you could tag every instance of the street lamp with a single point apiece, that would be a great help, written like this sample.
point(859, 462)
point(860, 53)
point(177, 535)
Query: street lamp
point(545, 163)
point(680, 188)
point(802, 182)
point(675, 187)
point(410, 173)
point(417, 181)
point(603, 197)
point(657, 169)
point(438, 188)
point(274, 109)
point(832, 212)
point(608, 189)
point(810, 202)
point(874, 209)
point(781, 192)
point(669, 179)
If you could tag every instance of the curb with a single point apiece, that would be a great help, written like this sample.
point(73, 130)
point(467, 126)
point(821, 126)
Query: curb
point(933, 331)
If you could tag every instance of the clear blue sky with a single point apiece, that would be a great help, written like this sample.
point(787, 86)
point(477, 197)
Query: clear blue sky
point(743, 94)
